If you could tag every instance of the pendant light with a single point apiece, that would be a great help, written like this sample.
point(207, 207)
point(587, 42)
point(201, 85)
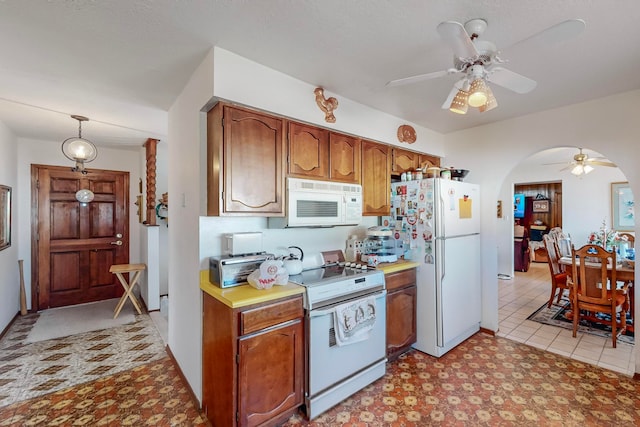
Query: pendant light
point(79, 149)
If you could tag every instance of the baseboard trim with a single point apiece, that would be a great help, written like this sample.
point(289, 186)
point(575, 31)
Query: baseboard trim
point(488, 331)
point(5, 330)
point(184, 379)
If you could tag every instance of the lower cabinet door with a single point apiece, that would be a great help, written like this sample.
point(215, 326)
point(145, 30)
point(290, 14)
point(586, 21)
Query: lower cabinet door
point(270, 373)
point(401, 321)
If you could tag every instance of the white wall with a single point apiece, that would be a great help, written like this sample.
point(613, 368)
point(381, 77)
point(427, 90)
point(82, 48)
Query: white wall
point(585, 202)
point(187, 135)
point(608, 125)
point(162, 186)
point(9, 276)
point(48, 153)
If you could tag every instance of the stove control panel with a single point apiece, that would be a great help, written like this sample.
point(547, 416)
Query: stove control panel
point(358, 282)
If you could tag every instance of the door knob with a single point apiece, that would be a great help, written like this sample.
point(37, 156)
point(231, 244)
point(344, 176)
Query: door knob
point(117, 242)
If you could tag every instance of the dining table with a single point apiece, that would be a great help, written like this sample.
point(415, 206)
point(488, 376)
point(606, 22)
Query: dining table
point(624, 273)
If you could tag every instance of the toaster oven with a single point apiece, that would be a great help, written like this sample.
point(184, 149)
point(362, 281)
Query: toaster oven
point(227, 271)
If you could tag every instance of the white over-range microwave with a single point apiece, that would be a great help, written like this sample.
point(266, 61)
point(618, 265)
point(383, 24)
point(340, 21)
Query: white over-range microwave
point(311, 203)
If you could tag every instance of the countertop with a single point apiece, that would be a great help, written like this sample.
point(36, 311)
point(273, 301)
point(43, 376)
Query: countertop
point(394, 267)
point(243, 295)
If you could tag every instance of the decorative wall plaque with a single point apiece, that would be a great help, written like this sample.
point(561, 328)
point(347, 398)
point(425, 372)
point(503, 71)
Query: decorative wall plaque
point(327, 105)
point(406, 134)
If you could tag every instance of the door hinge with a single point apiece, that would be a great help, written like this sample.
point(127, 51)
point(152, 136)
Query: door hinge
point(237, 417)
point(238, 358)
point(38, 183)
point(222, 122)
point(37, 236)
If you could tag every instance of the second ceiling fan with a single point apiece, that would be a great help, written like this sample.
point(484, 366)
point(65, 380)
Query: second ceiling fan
point(479, 63)
point(582, 164)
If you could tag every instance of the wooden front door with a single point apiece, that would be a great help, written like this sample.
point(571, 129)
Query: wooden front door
point(75, 243)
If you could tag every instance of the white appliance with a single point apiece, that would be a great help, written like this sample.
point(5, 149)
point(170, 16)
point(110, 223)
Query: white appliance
point(439, 222)
point(311, 203)
point(242, 243)
point(333, 371)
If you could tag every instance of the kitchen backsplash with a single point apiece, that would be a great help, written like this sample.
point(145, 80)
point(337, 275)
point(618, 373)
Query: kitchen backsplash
point(276, 241)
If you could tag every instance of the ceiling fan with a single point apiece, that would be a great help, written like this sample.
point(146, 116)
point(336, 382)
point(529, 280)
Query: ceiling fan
point(583, 164)
point(479, 63)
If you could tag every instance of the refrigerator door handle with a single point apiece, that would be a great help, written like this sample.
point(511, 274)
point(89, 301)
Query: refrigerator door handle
point(440, 223)
point(440, 275)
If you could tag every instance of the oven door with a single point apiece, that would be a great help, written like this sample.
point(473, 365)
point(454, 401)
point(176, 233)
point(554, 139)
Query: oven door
point(329, 363)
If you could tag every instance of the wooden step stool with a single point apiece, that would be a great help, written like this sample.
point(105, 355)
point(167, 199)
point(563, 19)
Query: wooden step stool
point(119, 270)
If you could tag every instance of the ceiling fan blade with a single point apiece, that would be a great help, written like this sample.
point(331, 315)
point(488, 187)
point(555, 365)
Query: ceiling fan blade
point(454, 34)
point(558, 163)
point(556, 33)
point(599, 163)
point(418, 78)
point(512, 81)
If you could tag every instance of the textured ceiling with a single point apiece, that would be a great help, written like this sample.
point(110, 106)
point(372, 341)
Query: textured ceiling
point(122, 63)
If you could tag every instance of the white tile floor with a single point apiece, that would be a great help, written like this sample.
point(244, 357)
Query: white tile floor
point(523, 295)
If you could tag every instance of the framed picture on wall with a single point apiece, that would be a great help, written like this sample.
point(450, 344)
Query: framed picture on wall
point(5, 217)
point(622, 207)
point(540, 206)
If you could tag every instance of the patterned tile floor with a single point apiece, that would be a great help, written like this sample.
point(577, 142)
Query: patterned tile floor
point(111, 377)
point(484, 381)
point(489, 381)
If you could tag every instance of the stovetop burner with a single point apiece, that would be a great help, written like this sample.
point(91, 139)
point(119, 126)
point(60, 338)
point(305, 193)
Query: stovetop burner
point(317, 276)
point(337, 282)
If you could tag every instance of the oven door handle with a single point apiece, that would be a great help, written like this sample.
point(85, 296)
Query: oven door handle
point(330, 309)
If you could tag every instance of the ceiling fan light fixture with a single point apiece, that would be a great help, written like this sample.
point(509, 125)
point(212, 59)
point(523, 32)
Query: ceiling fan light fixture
point(459, 104)
point(491, 101)
point(577, 170)
point(79, 149)
point(478, 93)
point(587, 169)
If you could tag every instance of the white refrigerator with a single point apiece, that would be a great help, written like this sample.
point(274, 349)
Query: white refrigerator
point(438, 223)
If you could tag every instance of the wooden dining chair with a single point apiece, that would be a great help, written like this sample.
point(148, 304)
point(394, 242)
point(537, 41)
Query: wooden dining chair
point(558, 276)
point(595, 289)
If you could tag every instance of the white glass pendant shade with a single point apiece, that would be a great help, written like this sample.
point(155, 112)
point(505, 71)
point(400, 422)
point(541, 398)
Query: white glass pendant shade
point(84, 196)
point(79, 149)
point(459, 104)
point(580, 169)
point(478, 93)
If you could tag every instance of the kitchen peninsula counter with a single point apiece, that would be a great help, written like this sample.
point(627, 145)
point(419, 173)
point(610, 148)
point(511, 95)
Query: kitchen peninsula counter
point(244, 295)
point(394, 267)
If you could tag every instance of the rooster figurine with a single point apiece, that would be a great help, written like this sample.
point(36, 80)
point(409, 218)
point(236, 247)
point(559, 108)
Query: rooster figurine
point(326, 105)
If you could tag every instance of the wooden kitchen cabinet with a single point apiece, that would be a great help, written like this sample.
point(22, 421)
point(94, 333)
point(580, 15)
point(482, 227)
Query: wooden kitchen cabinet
point(252, 361)
point(376, 181)
point(245, 152)
point(317, 153)
point(308, 151)
point(401, 311)
point(344, 158)
point(426, 161)
point(405, 160)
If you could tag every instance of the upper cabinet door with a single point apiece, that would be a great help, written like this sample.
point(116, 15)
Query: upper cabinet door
point(253, 168)
point(308, 151)
point(427, 161)
point(404, 160)
point(376, 180)
point(344, 158)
